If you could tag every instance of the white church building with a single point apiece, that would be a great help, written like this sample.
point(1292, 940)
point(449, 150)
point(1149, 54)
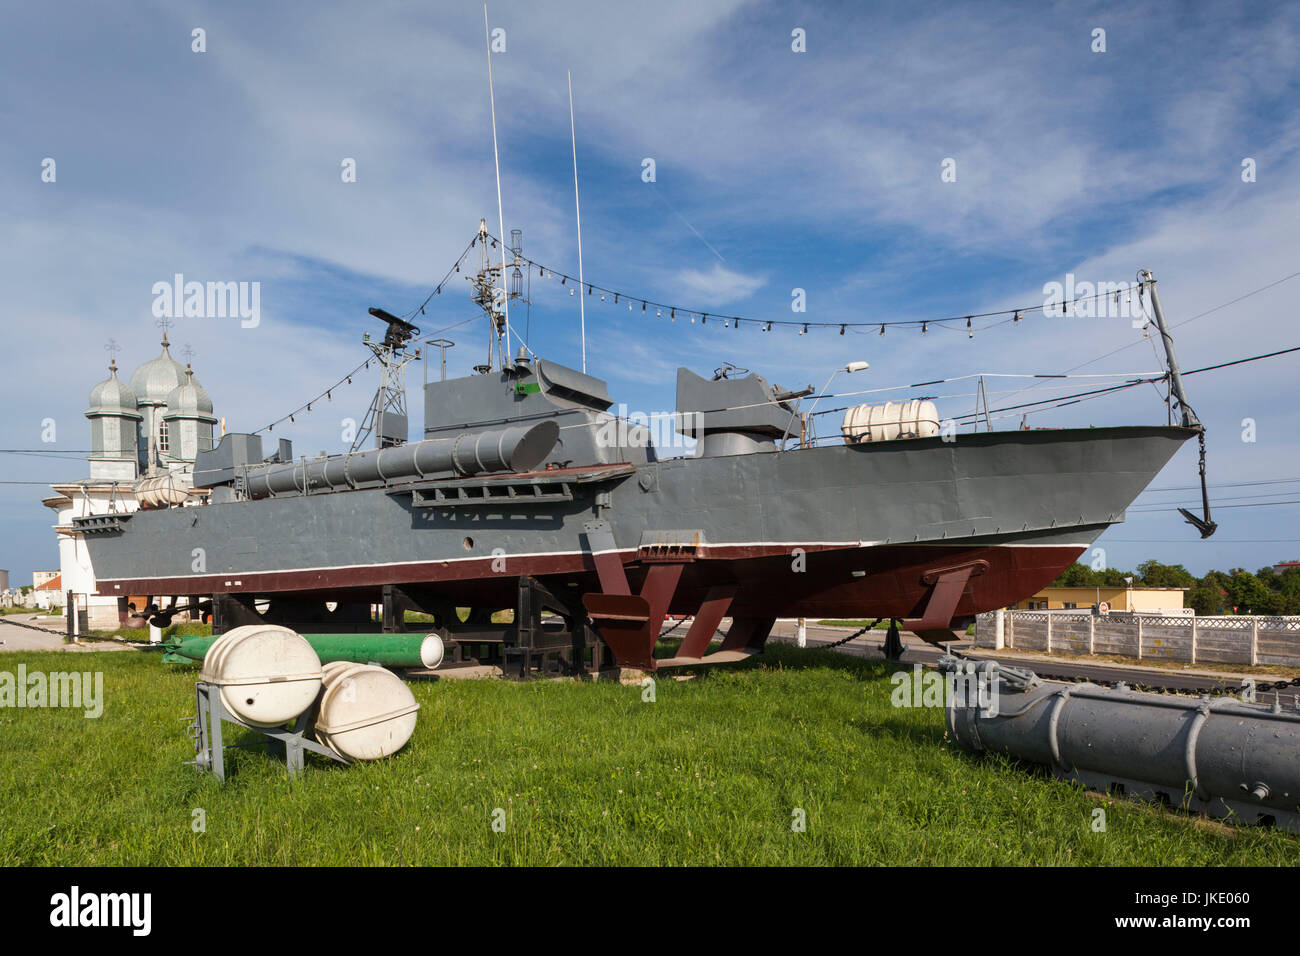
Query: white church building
point(150, 428)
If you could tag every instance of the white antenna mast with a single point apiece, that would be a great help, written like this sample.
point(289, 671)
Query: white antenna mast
point(582, 306)
point(501, 225)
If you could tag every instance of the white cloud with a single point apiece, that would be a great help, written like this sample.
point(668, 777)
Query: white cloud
point(717, 286)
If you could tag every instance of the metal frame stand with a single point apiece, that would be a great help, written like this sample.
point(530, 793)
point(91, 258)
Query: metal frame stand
point(206, 732)
point(554, 652)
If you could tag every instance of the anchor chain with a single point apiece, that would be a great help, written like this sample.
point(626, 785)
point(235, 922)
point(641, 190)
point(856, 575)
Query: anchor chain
point(857, 633)
point(671, 629)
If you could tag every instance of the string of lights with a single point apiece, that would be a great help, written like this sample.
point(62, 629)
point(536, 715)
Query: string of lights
point(618, 297)
point(328, 395)
point(437, 290)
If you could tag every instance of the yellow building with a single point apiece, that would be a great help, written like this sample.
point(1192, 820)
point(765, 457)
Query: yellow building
point(1119, 598)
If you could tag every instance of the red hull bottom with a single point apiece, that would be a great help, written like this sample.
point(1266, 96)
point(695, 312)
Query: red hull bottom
point(769, 581)
point(888, 582)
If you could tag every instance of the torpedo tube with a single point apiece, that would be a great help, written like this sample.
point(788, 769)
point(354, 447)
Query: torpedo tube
point(517, 448)
point(1222, 756)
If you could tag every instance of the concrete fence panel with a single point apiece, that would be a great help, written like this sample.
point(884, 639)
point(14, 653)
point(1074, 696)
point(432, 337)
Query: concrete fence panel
point(1204, 640)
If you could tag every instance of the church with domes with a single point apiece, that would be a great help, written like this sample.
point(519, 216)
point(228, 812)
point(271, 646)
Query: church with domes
point(151, 428)
point(155, 425)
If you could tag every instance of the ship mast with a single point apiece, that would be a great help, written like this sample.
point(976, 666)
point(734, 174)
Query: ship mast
point(501, 225)
point(577, 209)
point(488, 296)
point(1189, 419)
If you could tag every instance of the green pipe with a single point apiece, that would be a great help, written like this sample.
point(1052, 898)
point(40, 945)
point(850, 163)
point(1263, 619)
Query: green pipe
point(391, 650)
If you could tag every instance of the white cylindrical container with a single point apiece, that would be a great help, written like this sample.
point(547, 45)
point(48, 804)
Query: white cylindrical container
point(268, 674)
point(142, 490)
point(892, 420)
point(172, 490)
point(432, 650)
point(365, 712)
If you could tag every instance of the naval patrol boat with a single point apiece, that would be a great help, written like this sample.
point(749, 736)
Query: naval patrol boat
point(533, 528)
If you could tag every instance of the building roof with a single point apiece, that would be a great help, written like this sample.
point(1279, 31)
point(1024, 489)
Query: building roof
point(1106, 587)
point(190, 400)
point(155, 380)
point(53, 584)
point(112, 397)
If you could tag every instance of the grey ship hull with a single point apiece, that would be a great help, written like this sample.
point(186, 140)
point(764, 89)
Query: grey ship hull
point(833, 531)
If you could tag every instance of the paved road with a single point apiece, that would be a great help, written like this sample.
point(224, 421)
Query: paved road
point(14, 637)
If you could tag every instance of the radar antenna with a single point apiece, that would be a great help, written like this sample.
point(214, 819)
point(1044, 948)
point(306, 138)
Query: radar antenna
point(387, 417)
point(490, 295)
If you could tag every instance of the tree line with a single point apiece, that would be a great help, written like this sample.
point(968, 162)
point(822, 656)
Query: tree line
point(1237, 591)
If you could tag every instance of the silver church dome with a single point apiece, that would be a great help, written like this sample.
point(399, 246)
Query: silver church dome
point(112, 397)
point(155, 380)
point(189, 400)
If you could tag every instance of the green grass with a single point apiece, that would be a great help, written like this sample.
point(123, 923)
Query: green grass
point(710, 773)
point(419, 617)
point(141, 634)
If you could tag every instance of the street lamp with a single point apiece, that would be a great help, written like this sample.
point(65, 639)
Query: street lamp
point(851, 367)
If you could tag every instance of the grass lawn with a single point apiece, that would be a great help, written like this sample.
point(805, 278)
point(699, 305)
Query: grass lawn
point(709, 773)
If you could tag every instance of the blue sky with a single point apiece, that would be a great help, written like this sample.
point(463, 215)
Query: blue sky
point(774, 170)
